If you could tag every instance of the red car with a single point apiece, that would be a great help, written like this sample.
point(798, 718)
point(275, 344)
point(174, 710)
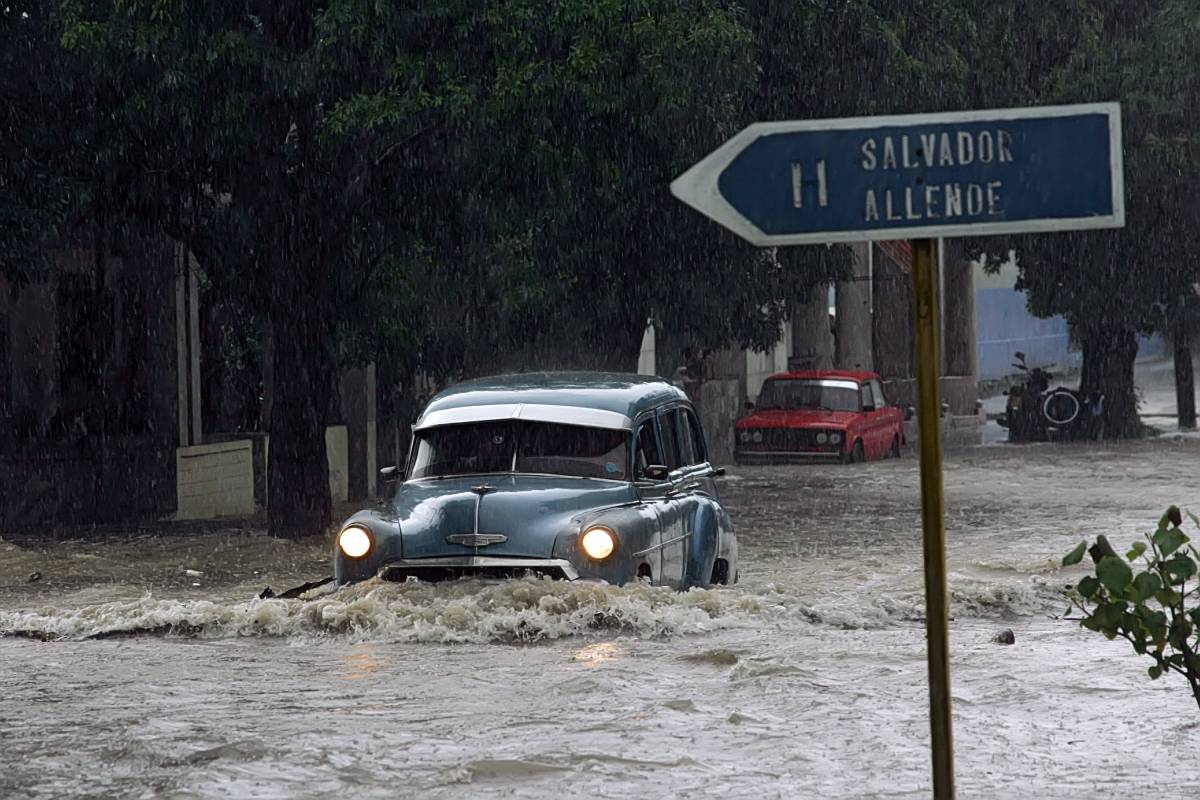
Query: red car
point(828, 414)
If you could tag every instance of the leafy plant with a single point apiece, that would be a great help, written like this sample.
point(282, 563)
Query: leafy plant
point(1153, 609)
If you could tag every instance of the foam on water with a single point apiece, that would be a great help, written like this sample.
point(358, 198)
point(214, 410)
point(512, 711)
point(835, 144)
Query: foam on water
point(466, 611)
point(525, 610)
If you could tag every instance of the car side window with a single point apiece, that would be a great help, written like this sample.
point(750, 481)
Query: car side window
point(647, 448)
point(877, 390)
point(670, 438)
point(699, 452)
point(683, 432)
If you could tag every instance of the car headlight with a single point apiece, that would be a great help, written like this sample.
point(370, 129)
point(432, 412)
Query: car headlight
point(599, 543)
point(354, 541)
point(757, 437)
point(822, 438)
point(835, 438)
point(743, 436)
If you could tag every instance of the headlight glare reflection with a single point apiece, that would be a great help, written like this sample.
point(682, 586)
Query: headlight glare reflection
point(354, 541)
point(598, 543)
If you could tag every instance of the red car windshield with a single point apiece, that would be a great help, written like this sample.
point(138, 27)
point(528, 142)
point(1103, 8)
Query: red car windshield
point(820, 395)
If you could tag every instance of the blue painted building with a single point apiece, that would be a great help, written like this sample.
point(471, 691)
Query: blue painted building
point(1003, 325)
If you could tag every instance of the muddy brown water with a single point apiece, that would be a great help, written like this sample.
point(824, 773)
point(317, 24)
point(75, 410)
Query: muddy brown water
point(163, 676)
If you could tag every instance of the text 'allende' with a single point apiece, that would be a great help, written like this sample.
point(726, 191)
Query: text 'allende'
point(931, 201)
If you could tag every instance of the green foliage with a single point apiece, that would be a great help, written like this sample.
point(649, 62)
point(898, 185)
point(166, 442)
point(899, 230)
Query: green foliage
point(455, 187)
point(1155, 610)
point(1131, 52)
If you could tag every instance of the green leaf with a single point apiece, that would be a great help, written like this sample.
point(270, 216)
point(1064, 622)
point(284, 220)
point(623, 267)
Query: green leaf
point(1076, 555)
point(1135, 552)
point(1144, 586)
point(1088, 586)
point(1171, 519)
point(1155, 673)
point(1179, 633)
point(1168, 540)
point(1179, 568)
point(1110, 616)
point(1114, 573)
point(1168, 597)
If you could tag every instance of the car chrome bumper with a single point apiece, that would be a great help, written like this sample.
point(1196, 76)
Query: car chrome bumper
point(444, 568)
point(775, 456)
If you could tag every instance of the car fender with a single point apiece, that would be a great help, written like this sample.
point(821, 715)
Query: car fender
point(636, 529)
point(704, 543)
point(386, 545)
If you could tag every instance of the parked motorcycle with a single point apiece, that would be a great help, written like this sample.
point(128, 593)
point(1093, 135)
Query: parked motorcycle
point(1036, 413)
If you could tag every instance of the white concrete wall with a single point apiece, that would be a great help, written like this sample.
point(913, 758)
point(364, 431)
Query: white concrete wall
point(372, 457)
point(337, 453)
point(214, 480)
point(646, 362)
point(760, 366)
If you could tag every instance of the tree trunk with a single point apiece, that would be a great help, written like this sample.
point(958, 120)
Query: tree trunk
point(1185, 382)
point(305, 369)
point(1108, 356)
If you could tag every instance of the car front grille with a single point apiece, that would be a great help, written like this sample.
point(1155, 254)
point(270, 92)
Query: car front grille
point(451, 568)
point(784, 439)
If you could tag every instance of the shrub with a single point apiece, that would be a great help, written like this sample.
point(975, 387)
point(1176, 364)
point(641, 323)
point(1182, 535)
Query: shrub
point(1153, 609)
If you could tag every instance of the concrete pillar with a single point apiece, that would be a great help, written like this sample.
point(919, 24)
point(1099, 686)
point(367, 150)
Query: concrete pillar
point(893, 330)
point(359, 409)
point(958, 310)
point(854, 325)
point(812, 337)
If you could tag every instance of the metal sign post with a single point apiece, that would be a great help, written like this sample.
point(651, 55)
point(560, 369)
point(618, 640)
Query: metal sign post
point(918, 177)
point(929, 425)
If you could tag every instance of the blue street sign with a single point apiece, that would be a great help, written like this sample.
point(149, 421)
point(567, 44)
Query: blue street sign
point(917, 176)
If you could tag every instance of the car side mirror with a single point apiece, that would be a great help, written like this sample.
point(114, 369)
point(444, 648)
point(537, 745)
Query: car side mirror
point(868, 407)
point(656, 472)
point(388, 478)
point(909, 413)
point(748, 406)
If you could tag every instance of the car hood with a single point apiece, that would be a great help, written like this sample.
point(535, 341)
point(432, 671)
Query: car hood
point(797, 418)
point(530, 510)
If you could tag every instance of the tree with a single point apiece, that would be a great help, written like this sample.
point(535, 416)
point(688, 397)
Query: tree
point(338, 164)
point(1113, 285)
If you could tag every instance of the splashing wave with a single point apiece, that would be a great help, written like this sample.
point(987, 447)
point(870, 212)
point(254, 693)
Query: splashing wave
point(467, 611)
point(525, 610)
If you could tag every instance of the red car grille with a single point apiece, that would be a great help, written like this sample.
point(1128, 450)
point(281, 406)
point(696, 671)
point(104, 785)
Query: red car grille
point(783, 439)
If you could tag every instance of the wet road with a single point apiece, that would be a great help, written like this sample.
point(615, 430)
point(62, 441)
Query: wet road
point(806, 680)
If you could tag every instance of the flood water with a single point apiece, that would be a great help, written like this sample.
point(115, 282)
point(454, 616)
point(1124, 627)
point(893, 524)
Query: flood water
point(805, 680)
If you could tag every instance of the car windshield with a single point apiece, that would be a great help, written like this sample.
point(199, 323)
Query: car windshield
point(520, 446)
point(826, 395)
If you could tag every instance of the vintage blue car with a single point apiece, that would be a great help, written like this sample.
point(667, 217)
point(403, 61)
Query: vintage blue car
point(569, 475)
